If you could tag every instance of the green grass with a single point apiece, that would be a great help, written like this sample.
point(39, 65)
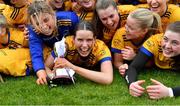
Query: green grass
point(23, 90)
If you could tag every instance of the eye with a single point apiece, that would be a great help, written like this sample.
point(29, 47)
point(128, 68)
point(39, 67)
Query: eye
point(165, 39)
point(79, 40)
point(111, 16)
point(175, 43)
point(46, 19)
point(89, 40)
point(104, 19)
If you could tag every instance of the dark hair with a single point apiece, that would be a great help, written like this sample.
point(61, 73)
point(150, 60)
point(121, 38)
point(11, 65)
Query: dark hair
point(8, 2)
point(98, 25)
point(175, 27)
point(85, 25)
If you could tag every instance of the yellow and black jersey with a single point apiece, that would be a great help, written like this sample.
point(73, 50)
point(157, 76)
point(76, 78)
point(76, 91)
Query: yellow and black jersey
point(2, 7)
point(82, 13)
point(171, 14)
point(124, 11)
point(17, 39)
point(108, 35)
point(152, 47)
point(67, 5)
point(14, 15)
point(76, 7)
point(119, 42)
point(100, 53)
point(85, 15)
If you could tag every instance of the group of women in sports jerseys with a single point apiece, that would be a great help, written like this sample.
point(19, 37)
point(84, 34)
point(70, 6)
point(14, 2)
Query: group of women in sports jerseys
point(134, 34)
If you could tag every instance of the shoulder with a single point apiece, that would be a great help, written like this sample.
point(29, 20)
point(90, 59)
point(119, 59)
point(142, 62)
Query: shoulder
point(126, 9)
point(153, 41)
point(100, 46)
point(119, 35)
point(172, 7)
point(66, 15)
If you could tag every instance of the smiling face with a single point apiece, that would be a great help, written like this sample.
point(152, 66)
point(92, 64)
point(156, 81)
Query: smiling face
point(157, 6)
point(56, 4)
point(171, 44)
point(44, 23)
point(87, 4)
point(109, 17)
point(84, 42)
point(133, 29)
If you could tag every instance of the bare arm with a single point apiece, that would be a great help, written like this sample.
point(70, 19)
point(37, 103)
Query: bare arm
point(118, 60)
point(105, 76)
point(49, 64)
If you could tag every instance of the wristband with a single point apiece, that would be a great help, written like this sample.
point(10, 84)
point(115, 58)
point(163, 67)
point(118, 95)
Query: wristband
point(170, 92)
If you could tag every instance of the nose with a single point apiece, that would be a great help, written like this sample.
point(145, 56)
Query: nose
point(44, 26)
point(109, 21)
point(168, 45)
point(84, 43)
point(153, 1)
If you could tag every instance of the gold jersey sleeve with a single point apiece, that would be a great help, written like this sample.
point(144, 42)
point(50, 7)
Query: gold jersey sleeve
point(100, 53)
point(175, 10)
point(2, 7)
point(152, 48)
point(107, 35)
point(17, 39)
point(171, 15)
point(67, 5)
point(142, 6)
point(85, 15)
point(15, 15)
point(118, 41)
point(124, 11)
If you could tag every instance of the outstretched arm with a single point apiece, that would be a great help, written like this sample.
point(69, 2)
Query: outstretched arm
point(135, 88)
point(105, 76)
point(137, 64)
point(158, 90)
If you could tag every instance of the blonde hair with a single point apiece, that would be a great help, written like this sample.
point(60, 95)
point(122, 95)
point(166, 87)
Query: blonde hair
point(147, 19)
point(40, 6)
point(35, 10)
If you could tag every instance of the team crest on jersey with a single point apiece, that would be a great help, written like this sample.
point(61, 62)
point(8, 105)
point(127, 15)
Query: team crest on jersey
point(116, 42)
point(149, 43)
point(102, 52)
